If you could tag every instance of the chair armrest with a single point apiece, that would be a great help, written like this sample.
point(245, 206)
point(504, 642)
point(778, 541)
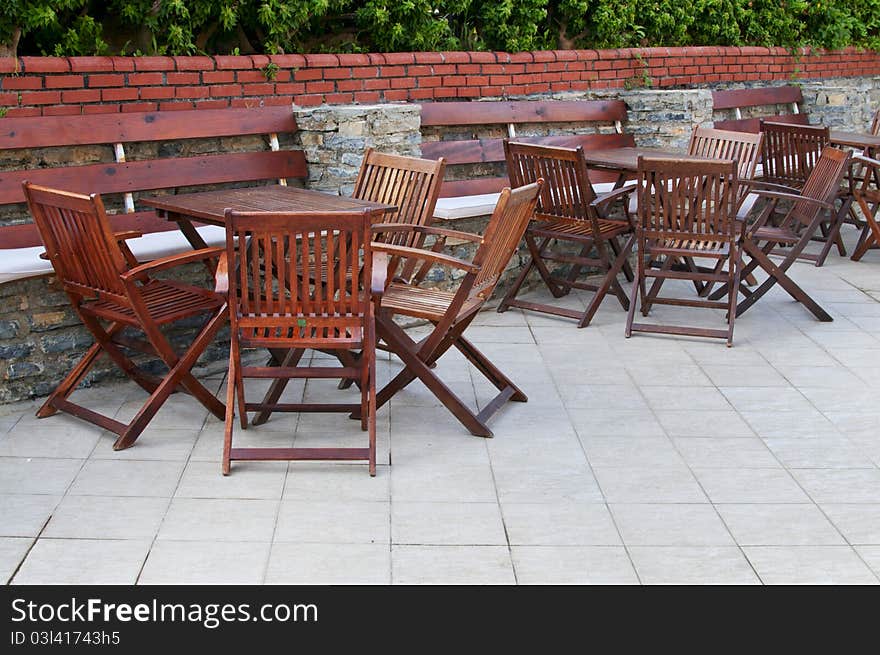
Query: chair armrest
point(170, 262)
point(863, 159)
point(380, 273)
point(378, 228)
point(792, 196)
point(425, 255)
point(221, 276)
point(614, 194)
point(771, 186)
point(127, 234)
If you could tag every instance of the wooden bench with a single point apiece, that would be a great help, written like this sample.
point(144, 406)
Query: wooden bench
point(174, 149)
point(454, 128)
point(748, 99)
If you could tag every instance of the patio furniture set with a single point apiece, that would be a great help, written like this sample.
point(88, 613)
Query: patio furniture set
point(296, 269)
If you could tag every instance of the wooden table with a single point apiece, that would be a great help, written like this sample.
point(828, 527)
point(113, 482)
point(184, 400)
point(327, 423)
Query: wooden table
point(625, 161)
point(210, 206)
point(861, 140)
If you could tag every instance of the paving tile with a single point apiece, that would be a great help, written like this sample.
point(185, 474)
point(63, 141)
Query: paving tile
point(627, 451)
point(809, 565)
point(796, 452)
point(859, 523)
point(476, 565)
point(725, 452)
point(333, 521)
point(71, 441)
point(24, 515)
point(205, 562)
point(871, 556)
point(652, 524)
point(692, 565)
point(32, 475)
point(723, 423)
point(601, 422)
point(83, 561)
point(320, 481)
point(685, 398)
point(329, 564)
point(106, 517)
point(211, 519)
point(840, 485)
point(649, 485)
point(442, 482)
point(127, 478)
point(466, 524)
point(164, 444)
point(572, 565)
point(757, 399)
point(764, 375)
point(611, 396)
point(779, 525)
point(649, 375)
point(811, 424)
point(12, 552)
point(529, 481)
point(559, 524)
point(246, 480)
point(749, 486)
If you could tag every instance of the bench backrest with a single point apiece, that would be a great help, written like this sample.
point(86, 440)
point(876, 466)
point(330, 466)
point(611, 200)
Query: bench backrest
point(739, 99)
point(515, 119)
point(165, 171)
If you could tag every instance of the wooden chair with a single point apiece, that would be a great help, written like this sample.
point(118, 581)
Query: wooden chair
point(451, 312)
point(280, 302)
point(687, 209)
point(568, 211)
point(875, 123)
point(109, 292)
point(789, 155)
point(743, 147)
point(867, 194)
point(814, 204)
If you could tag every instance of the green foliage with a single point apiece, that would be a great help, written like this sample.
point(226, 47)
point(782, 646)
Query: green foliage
point(180, 27)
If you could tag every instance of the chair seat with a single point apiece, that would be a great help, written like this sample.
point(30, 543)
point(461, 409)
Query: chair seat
point(582, 229)
point(166, 301)
point(777, 234)
point(696, 247)
point(420, 302)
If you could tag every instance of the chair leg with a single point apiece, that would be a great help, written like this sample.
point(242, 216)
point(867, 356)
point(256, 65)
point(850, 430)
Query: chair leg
point(627, 269)
point(229, 423)
point(543, 271)
point(504, 305)
point(489, 370)
point(290, 358)
point(655, 287)
point(833, 236)
point(637, 286)
point(735, 265)
point(371, 411)
point(609, 281)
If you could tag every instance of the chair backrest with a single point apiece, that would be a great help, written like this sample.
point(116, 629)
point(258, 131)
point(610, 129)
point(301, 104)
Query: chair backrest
point(410, 184)
point(503, 235)
point(744, 147)
point(298, 275)
point(687, 199)
point(822, 184)
point(875, 123)
point(567, 191)
point(791, 151)
point(79, 242)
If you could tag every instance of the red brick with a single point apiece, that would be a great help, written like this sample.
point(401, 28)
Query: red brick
point(146, 79)
point(468, 92)
point(130, 107)
point(350, 85)
point(400, 58)
point(456, 57)
point(454, 80)
point(23, 112)
point(91, 64)
point(8, 99)
point(176, 106)
point(211, 104)
point(366, 97)
point(260, 61)
point(468, 69)
point(184, 78)
point(233, 62)
point(100, 109)
point(444, 92)
point(81, 95)
point(45, 64)
point(500, 79)
point(393, 71)
point(21, 83)
point(9, 65)
point(377, 84)
point(363, 72)
point(321, 60)
point(339, 98)
point(41, 98)
point(396, 95)
point(61, 110)
point(483, 57)
point(276, 101)
point(477, 80)
point(428, 57)
point(306, 74)
point(157, 93)
point(291, 88)
point(420, 70)
point(105, 79)
point(354, 59)
point(403, 83)
point(436, 80)
point(320, 87)
point(194, 63)
point(217, 77)
point(247, 77)
point(64, 81)
point(225, 90)
point(115, 95)
point(521, 57)
point(420, 94)
point(265, 89)
point(376, 58)
point(544, 56)
point(308, 100)
point(191, 92)
point(449, 69)
point(340, 73)
point(156, 63)
point(123, 64)
point(288, 61)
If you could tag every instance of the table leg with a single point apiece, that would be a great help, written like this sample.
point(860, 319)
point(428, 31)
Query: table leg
point(195, 239)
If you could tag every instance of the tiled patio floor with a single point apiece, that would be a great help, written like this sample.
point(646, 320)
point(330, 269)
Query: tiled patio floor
point(649, 460)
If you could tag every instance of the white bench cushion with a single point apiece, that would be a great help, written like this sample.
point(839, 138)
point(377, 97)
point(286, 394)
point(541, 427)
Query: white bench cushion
point(21, 263)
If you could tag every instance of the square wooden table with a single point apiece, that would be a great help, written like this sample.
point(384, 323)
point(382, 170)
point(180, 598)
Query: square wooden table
point(625, 161)
point(861, 140)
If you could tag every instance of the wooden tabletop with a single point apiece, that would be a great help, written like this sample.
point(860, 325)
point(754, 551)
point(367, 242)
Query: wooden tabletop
point(627, 159)
point(859, 140)
point(210, 206)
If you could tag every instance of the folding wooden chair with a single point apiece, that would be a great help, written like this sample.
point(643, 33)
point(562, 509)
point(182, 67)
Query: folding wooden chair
point(109, 292)
point(814, 204)
point(687, 209)
point(452, 311)
point(279, 301)
point(867, 194)
point(875, 123)
point(569, 211)
point(790, 153)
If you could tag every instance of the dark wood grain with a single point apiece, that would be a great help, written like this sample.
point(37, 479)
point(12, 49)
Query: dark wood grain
point(771, 95)
point(554, 111)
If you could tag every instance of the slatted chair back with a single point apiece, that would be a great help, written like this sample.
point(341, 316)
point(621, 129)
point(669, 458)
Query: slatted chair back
point(502, 236)
point(735, 100)
point(791, 151)
point(410, 184)
point(79, 242)
point(281, 298)
point(687, 201)
point(567, 192)
point(822, 184)
point(744, 147)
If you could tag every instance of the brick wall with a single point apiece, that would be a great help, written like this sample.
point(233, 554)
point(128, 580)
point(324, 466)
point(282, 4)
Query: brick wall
point(56, 85)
